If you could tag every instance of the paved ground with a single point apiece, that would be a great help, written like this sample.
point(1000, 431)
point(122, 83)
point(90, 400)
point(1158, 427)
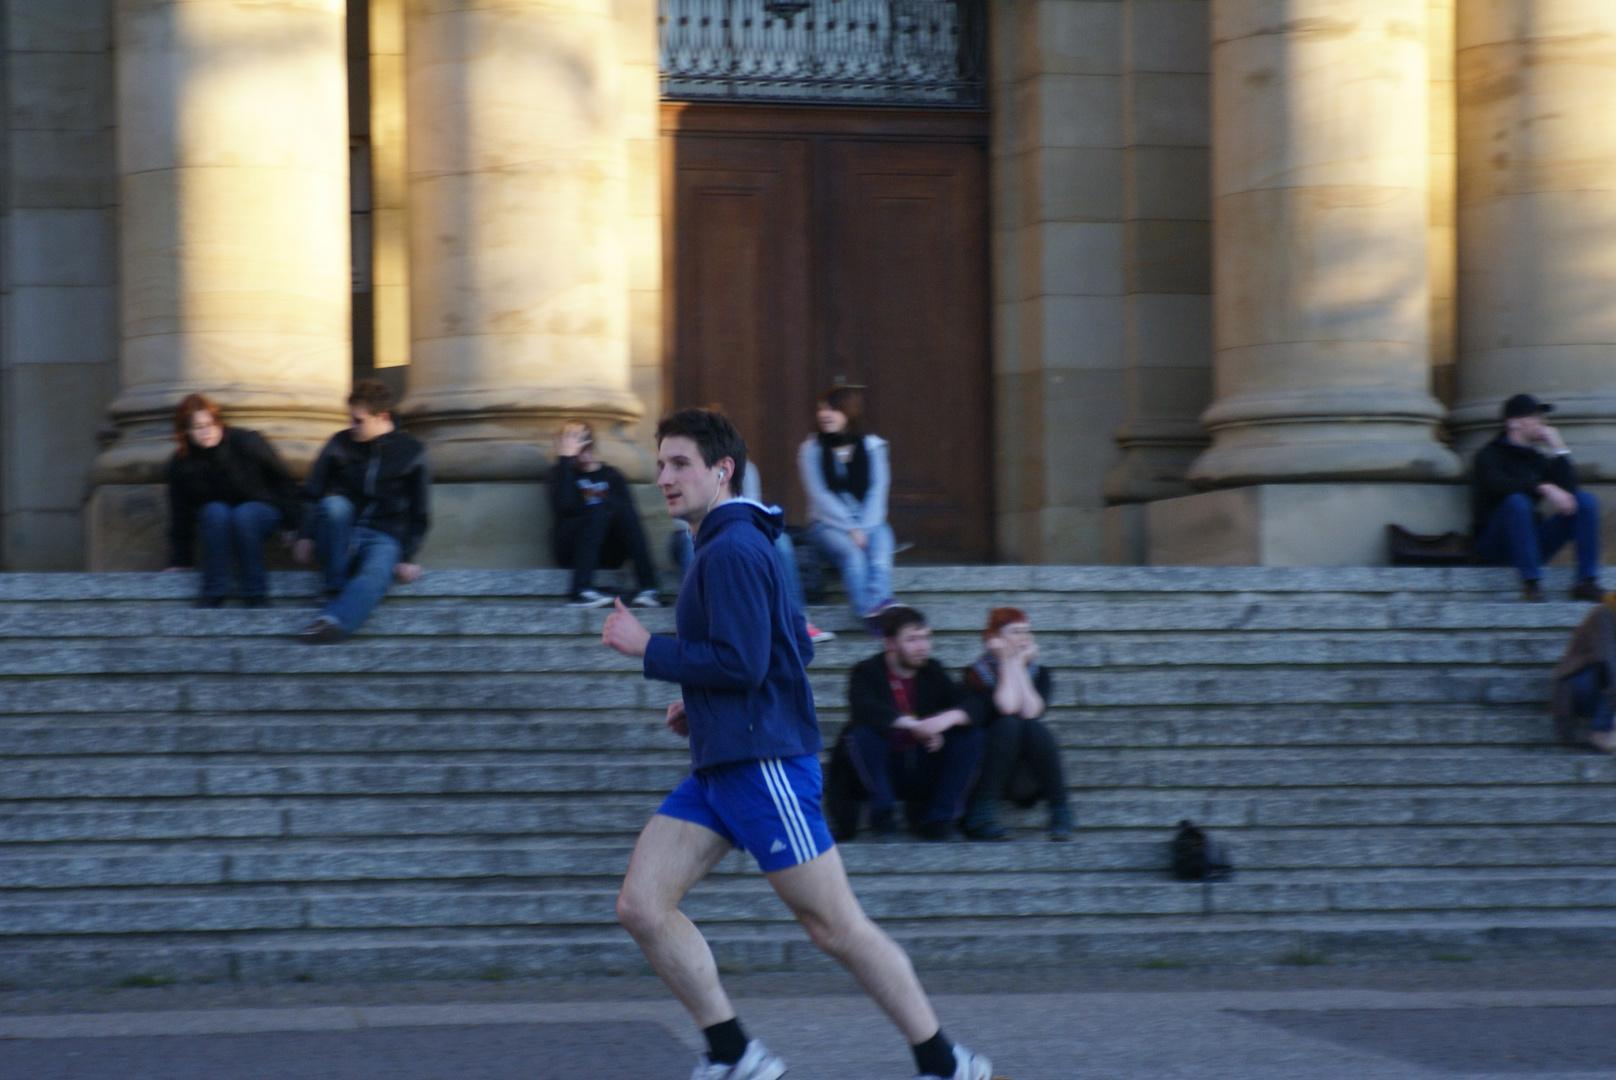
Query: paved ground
point(1405, 1022)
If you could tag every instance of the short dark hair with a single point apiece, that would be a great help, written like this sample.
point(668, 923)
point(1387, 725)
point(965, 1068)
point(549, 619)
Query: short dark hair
point(716, 438)
point(894, 619)
point(371, 395)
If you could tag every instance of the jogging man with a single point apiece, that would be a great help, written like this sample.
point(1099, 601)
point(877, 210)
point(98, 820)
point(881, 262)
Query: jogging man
point(740, 661)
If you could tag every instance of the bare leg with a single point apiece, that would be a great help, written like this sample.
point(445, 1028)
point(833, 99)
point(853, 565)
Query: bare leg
point(818, 893)
point(670, 857)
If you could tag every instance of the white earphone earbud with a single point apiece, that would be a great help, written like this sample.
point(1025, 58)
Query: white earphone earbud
point(722, 474)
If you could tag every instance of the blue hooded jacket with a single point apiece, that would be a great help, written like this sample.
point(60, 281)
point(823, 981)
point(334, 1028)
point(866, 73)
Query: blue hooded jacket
point(742, 653)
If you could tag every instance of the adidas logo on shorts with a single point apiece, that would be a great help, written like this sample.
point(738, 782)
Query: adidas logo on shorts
point(779, 846)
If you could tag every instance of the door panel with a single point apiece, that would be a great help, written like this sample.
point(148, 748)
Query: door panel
point(741, 294)
point(903, 288)
point(840, 247)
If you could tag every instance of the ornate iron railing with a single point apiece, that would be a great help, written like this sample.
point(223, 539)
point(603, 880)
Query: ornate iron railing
point(866, 52)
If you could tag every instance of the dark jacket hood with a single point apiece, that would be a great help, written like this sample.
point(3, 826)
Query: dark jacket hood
point(741, 513)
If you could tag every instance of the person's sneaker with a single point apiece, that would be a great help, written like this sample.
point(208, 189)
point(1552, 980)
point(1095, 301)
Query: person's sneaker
point(589, 598)
point(967, 1066)
point(208, 602)
point(1060, 823)
point(982, 822)
point(646, 598)
point(321, 631)
point(1588, 589)
point(756, 1064)
point(818, 636)
point(1531, 593)
point(937, 831)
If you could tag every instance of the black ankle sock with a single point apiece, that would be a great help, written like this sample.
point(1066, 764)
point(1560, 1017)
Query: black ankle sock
point(935, 1056)
point(726, 1042)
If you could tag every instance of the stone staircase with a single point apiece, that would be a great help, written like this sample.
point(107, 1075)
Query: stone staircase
point(191, 795)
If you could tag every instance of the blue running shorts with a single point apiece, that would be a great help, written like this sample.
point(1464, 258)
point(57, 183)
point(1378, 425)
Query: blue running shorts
point(769, 807)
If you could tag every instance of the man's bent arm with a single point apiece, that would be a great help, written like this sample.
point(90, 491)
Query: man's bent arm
point(735, 655)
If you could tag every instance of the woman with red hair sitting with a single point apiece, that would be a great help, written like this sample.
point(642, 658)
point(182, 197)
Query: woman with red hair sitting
point(228, 486)
point(1007, 692)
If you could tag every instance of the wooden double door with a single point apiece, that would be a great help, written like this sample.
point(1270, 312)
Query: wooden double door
point(810, 246)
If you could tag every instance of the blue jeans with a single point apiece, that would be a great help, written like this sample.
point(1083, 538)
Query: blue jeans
point(358, 562)
point(936, 784)
point(235, 532)
point(866, 572)
point(682, 548)
point(1589, 698)
point(1516, 535)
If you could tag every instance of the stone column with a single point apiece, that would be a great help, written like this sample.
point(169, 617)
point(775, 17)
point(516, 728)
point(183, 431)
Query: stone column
point(1320, 211)
point(1537, 218)
point(518, 204)
point(233, 223)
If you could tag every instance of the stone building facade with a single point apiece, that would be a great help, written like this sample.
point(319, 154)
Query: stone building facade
point(1259, 271)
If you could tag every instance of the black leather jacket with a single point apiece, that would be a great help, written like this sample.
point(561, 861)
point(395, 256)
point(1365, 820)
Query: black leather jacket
point(386, 479)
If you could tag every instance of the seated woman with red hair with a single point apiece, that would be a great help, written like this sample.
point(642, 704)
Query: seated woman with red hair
point(228, 488)
point(1007, 690)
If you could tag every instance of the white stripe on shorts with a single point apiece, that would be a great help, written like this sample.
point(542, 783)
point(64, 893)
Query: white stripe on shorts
point(793, 810)
point(773, 782)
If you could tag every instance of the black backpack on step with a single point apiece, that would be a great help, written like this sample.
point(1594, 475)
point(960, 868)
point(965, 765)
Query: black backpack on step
point(1197, 857)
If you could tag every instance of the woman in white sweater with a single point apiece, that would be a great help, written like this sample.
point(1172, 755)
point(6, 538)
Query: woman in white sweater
point(846, 476)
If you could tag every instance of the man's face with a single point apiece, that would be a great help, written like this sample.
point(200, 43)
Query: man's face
point(911, 648)
point(1529, 428)
point(366, 425)
point(689, 484)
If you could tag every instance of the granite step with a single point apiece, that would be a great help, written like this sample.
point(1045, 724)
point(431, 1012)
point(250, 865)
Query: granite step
point(120, 821)
point(1341, 937)
point(914, 898)
point(942, 581)
point(411, 692)
point(161, 777)
point(1384, 650)
point(308, 863)
point(953, 620)
point(561, 731)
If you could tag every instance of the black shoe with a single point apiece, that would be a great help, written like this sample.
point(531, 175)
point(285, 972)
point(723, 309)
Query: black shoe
point(321, 631)
point(1588, 589)
point(208, 602)
point(937, 831)
point(1531, 593)
point(256, 602)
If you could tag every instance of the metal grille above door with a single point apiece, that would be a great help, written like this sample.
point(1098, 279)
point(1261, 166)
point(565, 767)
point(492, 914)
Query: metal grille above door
point(827, 52)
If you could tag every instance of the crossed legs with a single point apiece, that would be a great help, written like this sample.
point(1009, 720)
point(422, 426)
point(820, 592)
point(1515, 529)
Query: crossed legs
point(672, 855)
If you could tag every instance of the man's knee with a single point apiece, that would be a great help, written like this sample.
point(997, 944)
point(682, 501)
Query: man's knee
point(336, 508)
point(215, 513)
point(1518, 505)
point(639, 913)
point(1587, 503)
point(839, 937)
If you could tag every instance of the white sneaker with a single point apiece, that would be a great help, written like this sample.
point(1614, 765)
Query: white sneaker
point(646, 598)
point(756, 1064)
point(818, 636)
point(967, 1066)
point(589, 598)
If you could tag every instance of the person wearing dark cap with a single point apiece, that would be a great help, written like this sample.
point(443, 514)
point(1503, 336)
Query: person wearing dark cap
point(1528, 465)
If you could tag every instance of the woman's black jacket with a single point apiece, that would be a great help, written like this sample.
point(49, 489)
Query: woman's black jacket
point(243, 468)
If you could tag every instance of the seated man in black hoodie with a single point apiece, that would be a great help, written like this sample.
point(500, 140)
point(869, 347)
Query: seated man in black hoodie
point(1526, 464)
point(596, 524)
point(367, 496)
point(908, 735)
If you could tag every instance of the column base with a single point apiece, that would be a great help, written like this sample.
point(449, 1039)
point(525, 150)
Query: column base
point(1341, 524)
